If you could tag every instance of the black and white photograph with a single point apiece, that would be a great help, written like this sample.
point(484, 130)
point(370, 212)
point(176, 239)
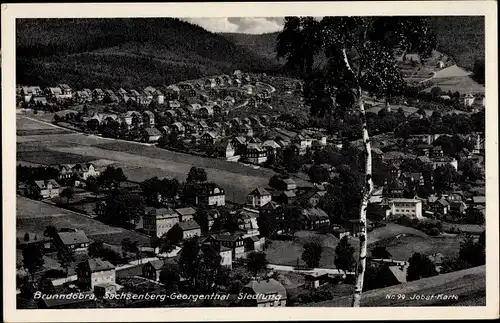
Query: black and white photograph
point(286, 161)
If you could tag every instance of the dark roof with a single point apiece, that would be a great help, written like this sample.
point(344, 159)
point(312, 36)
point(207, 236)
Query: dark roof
point(69, 238)
point(259, 191)
point(186, 211)
point(226, 237)
point(188, 225)
point(98, 264)
point(157, 264)
point(152, 132)
point(270, 205)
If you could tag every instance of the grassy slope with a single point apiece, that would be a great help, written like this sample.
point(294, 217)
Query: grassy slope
point(124, 52)
point(469, 285)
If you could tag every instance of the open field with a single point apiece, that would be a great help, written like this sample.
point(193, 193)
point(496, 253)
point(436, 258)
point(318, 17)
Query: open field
point(143, 161)
point(403, 247)
point(34, 216)
point(49, 157)
point(469, 285)
point(27, 127)
point(392, 230)
point(287, 252)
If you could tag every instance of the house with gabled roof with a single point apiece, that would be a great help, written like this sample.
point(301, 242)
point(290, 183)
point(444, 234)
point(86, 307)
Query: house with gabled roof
point(94, 272)
point(44, 188)
point(235, 242)
point(185, 213)
point(186, 230)
point(258, 197)
point(74, 240)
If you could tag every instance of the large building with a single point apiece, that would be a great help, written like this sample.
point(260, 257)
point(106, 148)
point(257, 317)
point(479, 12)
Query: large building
point(411, 208)
point(157, 222)
point(211, 194)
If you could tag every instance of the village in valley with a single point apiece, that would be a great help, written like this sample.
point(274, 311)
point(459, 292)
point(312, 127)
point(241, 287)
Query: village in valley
point(227, 185)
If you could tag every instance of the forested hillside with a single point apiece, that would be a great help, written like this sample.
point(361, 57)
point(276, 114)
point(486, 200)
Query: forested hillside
point(460, 37)
point(124, 52)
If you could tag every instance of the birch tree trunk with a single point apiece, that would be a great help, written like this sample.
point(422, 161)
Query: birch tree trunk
point(363, 239)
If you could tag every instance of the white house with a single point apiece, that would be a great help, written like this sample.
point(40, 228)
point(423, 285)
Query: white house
point(411, 208)
point(258, 197)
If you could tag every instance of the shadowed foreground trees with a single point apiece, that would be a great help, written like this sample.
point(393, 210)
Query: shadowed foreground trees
point(359, 54)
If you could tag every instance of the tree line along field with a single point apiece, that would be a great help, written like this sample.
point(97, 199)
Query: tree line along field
point(33, 216)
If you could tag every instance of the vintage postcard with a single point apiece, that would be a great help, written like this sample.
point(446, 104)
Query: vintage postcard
point(312, 160)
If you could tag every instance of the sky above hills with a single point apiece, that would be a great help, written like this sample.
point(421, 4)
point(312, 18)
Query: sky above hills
point(245, 25)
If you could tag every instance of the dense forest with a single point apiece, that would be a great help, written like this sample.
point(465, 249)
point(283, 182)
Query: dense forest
point(124, 52)
point(133, 52)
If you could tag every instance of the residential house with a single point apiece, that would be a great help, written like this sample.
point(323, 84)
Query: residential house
point(258, 197)
point(172, 92)
point(239, 144)
point(255, 154)
point(313, 196)
point(264, 293)
point(151, 135)
point(468, 99)
point(186, 230)
point(178, 128)
point(94, 272)
point(217, 110)
point(458, 207)
point(478, 201)
point(287, 197)
point(202, 126)
point(229, 101)
point(235, 242)
point(438, 162)
point(440, 206)
point(152, 269)
point(225, 148)
point(44, 188)
point(206, 112)
point(394, 188)
point(53, 92)
point(314, 280)
point(209, 83)
point(209, 138)
point(437, 152)
point(286, 184)
point(315, 218)
point(224, 252)
point(247, 222)
point(411, 208)
point(98, 95)
point(211, 194)
point(73, 240)
point(28, 93)
point(148, 118)
point(159, 97)
point(191, 127)
point(245, 130)
point(271, 147)
point(157, 222)
point(186, 213)
point(83, 96)
point(174, 104)
point(254, 243)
